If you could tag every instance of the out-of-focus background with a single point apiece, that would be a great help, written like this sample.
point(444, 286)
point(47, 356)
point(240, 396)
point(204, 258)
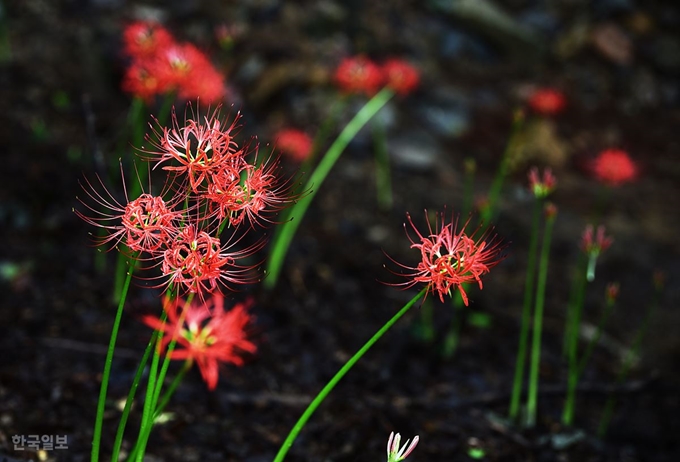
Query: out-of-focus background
point(616, 61)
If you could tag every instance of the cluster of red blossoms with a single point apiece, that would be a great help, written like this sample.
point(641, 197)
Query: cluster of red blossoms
point(160, 65)
point(450, 258)
point(359, 74)
point(211, 188)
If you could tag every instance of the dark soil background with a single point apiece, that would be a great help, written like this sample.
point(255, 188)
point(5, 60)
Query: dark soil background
point(618, 62)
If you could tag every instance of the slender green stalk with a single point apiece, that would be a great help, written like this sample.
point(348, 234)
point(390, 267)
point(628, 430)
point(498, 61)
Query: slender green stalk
point(572, 352)
point(538, 320)
point(171, 389)
point(526, 312)
point(155, 385)
point(130, 398)
point(596, 338)
point(338, 376)
point(628, 361)
point(147, 413)
point(575, 307)
point(497, 186)
point(382, 165)
point(577, 367)
point(101, 403)
point(283, 238)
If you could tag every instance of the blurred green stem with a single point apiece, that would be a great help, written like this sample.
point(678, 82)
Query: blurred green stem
point(532, 398)
point(284, 235)
point(526, 312)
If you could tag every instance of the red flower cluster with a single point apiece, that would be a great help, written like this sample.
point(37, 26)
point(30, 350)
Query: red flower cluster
point(159, 65)
point(359, 74)
point(205, 333)
point(211, 186)
point(614, 167)
point(547, 101)
point(294, 143)
point(450, 258)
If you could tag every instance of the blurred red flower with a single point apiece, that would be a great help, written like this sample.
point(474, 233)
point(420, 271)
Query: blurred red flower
point(359, 74)
point(547, 101)
point(614, 167)
point(296, 144)
point(401, 76)
point(205, 333)
point(143, 39)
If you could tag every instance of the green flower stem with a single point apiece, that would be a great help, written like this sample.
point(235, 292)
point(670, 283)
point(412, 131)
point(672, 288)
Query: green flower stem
point(577, 297)
point(538, 321)
point(382, 165)
point(526, 312)
point(156, 380)
point(171, 389)
point(628, 362)
point(283, 238)
point(497, 186)
point(338, 376)
point(572, 352)
point(138, 453)
point(131, 395)
point(596, 338)
point(592, 263)
point(101, 403)
point(576, 372)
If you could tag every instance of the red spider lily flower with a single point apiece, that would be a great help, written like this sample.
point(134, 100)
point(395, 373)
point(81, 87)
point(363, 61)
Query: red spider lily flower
point(450, 258)
point(541, 187)
point(202, 149)
point(401, 76)
point(296, 144)
point(144, 83)
point(190, 72)
point(206, 84)
point(594, 245)
point(205, 333)
point(614, 167)
point(547, 101)
point(144, 39)
point(359, 75)
point(144, 224)
point(397, 454)
point(195, 261)
point(260, 193)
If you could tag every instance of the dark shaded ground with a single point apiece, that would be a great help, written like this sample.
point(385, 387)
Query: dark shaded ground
point(62, 108)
